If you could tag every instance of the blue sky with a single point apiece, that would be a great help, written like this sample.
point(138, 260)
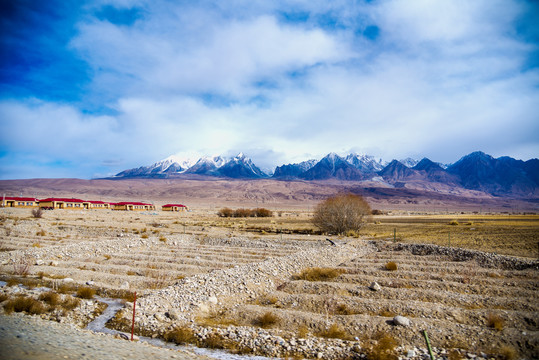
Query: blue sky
point(90, 88)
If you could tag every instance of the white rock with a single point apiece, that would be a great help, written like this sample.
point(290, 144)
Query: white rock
point(90, 283)
point(53, 263)
point(410, 354)
point(401, 320)
point(68, 280)
point(125, 285)
point(39, 262)
point(375, 286)
point(213, 300)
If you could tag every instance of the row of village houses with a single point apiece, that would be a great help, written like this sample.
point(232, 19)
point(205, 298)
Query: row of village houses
point(65, 203)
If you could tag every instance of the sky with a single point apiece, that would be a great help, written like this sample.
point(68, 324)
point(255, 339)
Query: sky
point(91, 88)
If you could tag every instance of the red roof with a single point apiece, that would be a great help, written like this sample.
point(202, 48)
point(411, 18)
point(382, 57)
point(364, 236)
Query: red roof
point(62, 200)
point(20, 198)
point(97, 202)
point(172, 205)
point(130, 203)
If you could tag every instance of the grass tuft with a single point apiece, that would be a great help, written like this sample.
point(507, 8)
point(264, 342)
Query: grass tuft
point(85, 293)
point(319, 274)
point(266, 320)
point(334, 332)
point(181, 335)
point(391, 266)
point(495, 321)
point(384, 348)
point(24, 304)
point(507, 352)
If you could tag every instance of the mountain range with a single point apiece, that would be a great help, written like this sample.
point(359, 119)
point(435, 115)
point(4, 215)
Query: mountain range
point(477, 171)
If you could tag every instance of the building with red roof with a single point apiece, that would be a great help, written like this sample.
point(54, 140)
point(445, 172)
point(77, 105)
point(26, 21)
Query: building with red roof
point(174, 207)
point(132, 206)
point(22, 202)
point(63, 203)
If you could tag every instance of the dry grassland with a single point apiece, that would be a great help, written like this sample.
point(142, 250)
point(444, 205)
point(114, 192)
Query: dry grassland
point(463, 305)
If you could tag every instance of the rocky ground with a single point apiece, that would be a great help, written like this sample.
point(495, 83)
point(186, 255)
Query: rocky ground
point(472, 304)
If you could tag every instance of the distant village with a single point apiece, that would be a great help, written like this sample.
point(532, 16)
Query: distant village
point(66, 203)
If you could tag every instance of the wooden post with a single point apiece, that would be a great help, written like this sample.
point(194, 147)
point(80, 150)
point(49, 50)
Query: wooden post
point(395, 235)
point(449, 238)
point(133, 323)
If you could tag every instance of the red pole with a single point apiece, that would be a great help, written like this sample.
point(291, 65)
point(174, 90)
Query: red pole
point(133, 324)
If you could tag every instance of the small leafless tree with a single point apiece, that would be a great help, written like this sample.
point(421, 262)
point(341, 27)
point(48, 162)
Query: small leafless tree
point(341, 213)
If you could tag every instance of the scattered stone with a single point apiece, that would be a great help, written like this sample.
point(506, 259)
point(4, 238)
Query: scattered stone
point(125, 285)
point(401, 320)
point(90, 283)
point(375, 286)
point(39, 262)
point(53, 263)
point(173, 314)
point(68, 280)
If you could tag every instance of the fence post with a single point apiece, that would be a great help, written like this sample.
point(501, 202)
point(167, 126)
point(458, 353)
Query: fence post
point(133, 323)
point(428, 344)
point(395, 235)
point(449, 238)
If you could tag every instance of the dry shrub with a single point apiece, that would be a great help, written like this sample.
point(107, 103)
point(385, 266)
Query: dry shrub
point(320, 274)
point(334, 332)
point(41, 233)
point(453, 222)
point(267, 300)
point(70, 303)
point(341, 213)
point(24, 304)
point(262, 212)
point(507, 352)
point(181, 335)
point(217, 341)
point(343, 309)
point(391, 266)
point(216, 318)
point(85, 293)
point(3, 297)
point(51, 298)
point(144, 236)
point(384, 348)
point(303, 332)
point(225, 212)
point(266, 320)
point(163, 239)
point(22, 266)
point(37, 213)
point(495, 321)
point(66, 288)
point(12, 282)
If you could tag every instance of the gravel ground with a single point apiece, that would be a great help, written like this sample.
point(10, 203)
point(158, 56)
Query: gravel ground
point(25, 337)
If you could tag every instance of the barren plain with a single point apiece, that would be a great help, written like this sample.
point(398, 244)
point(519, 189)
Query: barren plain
point(275, 286)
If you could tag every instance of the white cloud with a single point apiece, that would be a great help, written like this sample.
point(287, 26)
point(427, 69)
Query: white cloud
point(444, 78)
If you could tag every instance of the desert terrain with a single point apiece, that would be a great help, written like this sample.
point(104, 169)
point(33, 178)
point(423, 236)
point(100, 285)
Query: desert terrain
point(464, 272)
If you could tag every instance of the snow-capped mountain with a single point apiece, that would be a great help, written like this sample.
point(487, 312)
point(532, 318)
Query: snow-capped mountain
point(292, 171)
point(365, 163)
point(239, 166)
point(476, 171)
point(409, 162)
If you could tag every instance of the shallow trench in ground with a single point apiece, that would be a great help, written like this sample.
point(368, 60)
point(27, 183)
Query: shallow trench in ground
point(115, 305)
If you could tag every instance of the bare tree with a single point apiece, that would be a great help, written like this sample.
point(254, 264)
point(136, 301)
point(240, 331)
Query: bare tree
point(341, 213)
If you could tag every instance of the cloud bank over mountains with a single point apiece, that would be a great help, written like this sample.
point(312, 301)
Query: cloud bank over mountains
point(91, 88)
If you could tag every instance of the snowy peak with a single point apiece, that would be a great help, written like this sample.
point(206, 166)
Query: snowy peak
point(365, 163)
